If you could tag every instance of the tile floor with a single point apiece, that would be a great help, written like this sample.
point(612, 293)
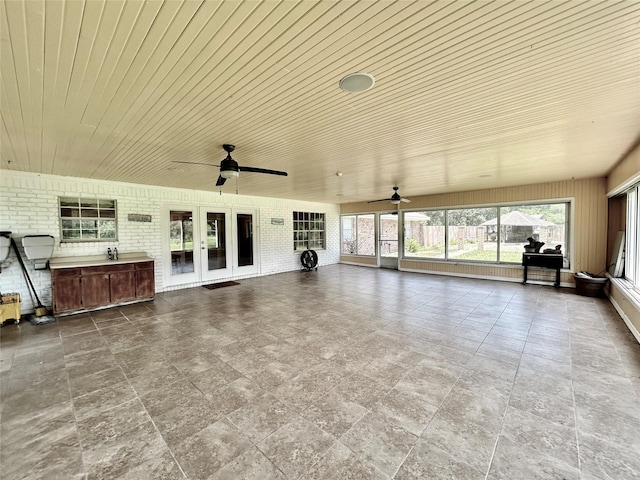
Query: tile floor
point(346, 372)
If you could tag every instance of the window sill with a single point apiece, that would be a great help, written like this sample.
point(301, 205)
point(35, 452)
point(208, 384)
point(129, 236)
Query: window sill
point(471, 262)
point(93, 240)
point(626, 289)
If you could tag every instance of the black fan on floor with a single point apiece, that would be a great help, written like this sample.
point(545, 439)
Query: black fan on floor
point(309, 260)
point(395, 198)
point(229, 168)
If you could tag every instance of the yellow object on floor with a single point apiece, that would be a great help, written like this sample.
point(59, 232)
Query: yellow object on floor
point(10, 307)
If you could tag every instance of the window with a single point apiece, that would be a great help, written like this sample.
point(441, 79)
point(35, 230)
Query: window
point(468, 234)
point(632, 249)
point(544, 223)
point(87, 219)
point(490, 234)
point(308, 231)
point(424, 234)
point(358, 235)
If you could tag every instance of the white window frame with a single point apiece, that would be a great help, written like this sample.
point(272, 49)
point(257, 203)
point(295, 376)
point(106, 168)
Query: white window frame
point(308, 230)
point(375, 242)
point(632, 234)
point(98, 208)
point(569, 247)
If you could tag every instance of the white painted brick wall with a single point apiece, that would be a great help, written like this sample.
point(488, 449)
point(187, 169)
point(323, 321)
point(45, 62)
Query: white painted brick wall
point(29, 206)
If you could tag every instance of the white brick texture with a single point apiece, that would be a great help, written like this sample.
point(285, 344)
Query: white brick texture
point(29, 206)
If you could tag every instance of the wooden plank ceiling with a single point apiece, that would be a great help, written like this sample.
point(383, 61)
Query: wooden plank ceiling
point(468, 95)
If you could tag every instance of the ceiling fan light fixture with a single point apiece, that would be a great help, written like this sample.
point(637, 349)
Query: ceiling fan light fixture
point(395, 202)
point(357, 82)
point(229, 173)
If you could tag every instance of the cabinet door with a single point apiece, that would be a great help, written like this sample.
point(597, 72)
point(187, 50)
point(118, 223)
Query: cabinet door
point(123, 286)
point(95, 290)
point(145, 281)
point(66, 291)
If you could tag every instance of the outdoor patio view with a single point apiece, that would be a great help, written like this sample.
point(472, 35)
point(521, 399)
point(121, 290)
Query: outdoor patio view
point(358, 234)
point(493, 234)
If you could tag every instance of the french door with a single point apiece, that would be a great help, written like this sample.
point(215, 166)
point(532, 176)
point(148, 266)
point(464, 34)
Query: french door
point(207, 244)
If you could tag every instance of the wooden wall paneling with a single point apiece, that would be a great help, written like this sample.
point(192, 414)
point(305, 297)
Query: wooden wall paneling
point(589, 223)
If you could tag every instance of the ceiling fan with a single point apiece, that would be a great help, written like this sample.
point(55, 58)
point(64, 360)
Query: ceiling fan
point(395, 198)
point(229, 168)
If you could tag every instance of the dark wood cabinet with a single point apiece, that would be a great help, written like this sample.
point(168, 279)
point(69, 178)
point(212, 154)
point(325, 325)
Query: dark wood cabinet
point(98, 286)
point(66, 289)
point(122, 286)
point(95, 288)
point(145, 280)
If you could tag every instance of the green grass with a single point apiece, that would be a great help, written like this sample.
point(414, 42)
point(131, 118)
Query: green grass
point(175, 245)
point(427, 252)
point(475, 255)
point(489, 256)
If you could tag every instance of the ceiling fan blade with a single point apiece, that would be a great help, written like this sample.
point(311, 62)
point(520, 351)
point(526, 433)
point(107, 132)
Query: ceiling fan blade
point(405, 200)
point(220, 181)
point(196, 163)
point(381, 200)
point(262, 170)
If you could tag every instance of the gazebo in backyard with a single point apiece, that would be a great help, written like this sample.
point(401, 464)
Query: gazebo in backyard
point(516, 227)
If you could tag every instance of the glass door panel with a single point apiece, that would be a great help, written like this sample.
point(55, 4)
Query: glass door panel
point(216, 241)
point(180, 241)
point(388, 240)
point(215, 245)
point(245, 261)
point(245, 239)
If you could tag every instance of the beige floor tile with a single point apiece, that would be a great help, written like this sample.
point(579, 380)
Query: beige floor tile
point(334, 413)
point(514, 460)
point(547, 396)
point(252, 464)
point(428, 461)
point(468, 441)
point(204, 453)
point(111, 456)
point(244, 383)
point(405, 410)
point(261, 417)
point(296, 446)
point(380, 441)
point(340, 462)
point(541, 435)
point(606, 460)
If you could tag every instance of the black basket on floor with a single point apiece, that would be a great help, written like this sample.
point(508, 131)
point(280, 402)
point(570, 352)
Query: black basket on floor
point(590, 286)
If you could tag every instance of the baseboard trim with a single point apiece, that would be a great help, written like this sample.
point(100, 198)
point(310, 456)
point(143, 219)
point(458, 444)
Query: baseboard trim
point(634, 331)
point(359, 264)
point(485, 277)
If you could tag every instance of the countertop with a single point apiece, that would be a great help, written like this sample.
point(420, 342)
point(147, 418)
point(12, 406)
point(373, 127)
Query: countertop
point(97, 260)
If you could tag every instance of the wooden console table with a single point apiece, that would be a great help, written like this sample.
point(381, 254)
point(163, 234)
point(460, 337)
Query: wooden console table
point(543, 260)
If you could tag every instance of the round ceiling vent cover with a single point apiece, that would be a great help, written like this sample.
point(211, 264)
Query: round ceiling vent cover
point(357, 82)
